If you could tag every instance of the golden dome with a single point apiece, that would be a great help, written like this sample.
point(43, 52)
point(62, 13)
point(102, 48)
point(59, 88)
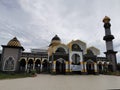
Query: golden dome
point(14, 42)
point(106, 19)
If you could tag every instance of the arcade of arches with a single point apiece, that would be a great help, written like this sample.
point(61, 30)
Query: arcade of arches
point(34, 64)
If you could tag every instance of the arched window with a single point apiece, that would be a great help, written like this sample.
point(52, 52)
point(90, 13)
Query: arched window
point(89, 52)
point(76, 47)
point(60, 50)
point(30, 64)
point(22, 62)
point(9, 64)
point(75, 59)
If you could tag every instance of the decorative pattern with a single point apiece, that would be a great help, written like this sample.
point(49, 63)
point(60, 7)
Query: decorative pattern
point(14, 42)
point(9, 64)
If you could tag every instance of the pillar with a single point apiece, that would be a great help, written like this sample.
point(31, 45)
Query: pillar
point(82, 69)
point(102, 67)
point(41, 67)
point(95, 67)
point(26, 65)
point(70, 66)
point(54, 66)
point(33, 65)
point(66, 67)
point(85, 67)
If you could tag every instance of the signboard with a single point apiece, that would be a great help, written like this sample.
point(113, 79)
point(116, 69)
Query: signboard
point(76, 67)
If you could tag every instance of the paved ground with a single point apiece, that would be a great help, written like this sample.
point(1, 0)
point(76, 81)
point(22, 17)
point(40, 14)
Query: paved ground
point(62, 82)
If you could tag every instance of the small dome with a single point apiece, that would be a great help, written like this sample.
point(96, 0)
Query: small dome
point(14, 42)
point(55, 41)
point(56, 38)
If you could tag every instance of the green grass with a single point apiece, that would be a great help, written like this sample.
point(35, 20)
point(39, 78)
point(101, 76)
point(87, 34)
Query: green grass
point(13, 75)
point(117, 73)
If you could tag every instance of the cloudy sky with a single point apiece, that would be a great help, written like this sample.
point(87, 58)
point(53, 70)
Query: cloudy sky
point(35, 22)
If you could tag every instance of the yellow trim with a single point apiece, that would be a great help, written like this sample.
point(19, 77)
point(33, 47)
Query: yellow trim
point(44, 59)
point(54, 62)
point(81, 62)
point(95, 70)
point(34, 62)
point(66, 70)
point(54, 70)
point(26, 62)
point(95, 63)
point(84, 62)
point(31, 59)
point(82, 70)
point(70, 62)
point(23, 58)
point(70, 47)
point(66, 62)
point(85, 70)
point(70, 70)
point(37, 59)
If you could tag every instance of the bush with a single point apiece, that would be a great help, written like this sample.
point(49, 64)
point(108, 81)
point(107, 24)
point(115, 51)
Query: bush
point(10, 76)
point(117, 73)
point(33, 72)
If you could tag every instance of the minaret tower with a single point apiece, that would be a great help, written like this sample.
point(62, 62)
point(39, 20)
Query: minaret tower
point(110, 53)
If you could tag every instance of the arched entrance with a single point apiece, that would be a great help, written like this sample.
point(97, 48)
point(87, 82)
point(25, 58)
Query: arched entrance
point(30, 65)
point(9, 64)
point(60, 66)
point(75, 59)
point(22, 65)
point(100, 67)
point(45, 66)
point(38, 65)
point(105, 69)
point(90, 67)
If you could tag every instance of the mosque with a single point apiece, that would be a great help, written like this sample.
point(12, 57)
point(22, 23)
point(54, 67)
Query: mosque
point(59, 58)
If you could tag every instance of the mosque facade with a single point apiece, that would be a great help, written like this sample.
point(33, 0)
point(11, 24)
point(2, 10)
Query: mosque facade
point(59, 58)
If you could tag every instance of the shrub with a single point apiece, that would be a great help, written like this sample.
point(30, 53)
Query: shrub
point(33, 72)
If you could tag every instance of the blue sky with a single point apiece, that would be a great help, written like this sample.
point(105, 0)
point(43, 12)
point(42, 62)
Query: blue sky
point(35, 22)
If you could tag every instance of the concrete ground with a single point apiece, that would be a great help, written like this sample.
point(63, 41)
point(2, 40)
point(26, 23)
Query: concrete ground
point(62, 82)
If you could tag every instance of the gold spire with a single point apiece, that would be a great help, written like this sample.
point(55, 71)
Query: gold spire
point(106, 19)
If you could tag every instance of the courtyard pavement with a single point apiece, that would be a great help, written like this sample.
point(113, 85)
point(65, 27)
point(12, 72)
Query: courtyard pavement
point(62, 82)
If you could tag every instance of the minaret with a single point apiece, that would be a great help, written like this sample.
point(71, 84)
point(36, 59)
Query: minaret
point(110, 53)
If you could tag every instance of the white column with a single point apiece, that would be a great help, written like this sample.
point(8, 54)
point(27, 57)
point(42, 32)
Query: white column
point(26, 65)
point(81, 63)
point(33, 65)
point(70, 66)
point(66, 66)
point(95, 67)
point(102, 67)
point(41, 67)
point(54, 66)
